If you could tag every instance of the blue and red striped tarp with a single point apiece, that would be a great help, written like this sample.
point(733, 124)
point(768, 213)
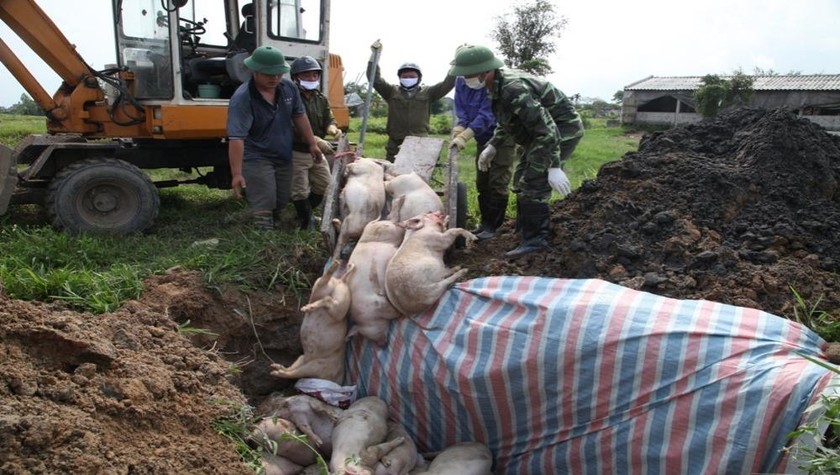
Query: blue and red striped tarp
point(585, 376)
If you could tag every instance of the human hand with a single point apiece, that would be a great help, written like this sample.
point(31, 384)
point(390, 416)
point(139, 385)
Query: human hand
point(462, 138)
point(324, 146)
point(377, 45)
point(485, 159)
point(237, 183)
point(559, 181)
point(456, 130)
point(335, 132)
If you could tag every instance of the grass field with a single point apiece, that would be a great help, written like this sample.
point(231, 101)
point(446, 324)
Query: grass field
point(198, 228)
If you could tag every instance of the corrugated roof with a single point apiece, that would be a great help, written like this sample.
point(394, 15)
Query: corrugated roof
point(811, 82)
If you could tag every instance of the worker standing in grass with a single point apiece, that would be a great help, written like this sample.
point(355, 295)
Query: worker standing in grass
point(541, 120)
point(261, 114)
point(475, 119)
point(311, 178)
point(409, 103)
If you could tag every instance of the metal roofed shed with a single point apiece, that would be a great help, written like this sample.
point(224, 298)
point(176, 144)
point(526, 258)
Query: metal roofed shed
point(669, 100)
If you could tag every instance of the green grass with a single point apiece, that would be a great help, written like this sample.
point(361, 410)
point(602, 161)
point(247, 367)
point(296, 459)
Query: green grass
point(202, 229)
point(13, 128)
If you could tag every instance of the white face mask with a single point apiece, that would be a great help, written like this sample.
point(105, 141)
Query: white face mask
point(408, 83)
point(474, 83)
point(310, 85)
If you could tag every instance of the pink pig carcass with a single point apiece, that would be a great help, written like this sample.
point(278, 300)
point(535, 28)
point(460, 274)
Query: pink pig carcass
point(323, 331)
point(411, 196)
point(361, 200)
point(370, 309)
point(416, 276)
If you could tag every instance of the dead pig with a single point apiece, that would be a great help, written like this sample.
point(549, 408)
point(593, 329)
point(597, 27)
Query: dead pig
point(370, 309)
point(358, 437)
point(269, 433)
point(411, 196)
point(417, 276)
point(323, 331)
point(402, 458)
point(313, 417)
point(465, 458)
point(361, 200)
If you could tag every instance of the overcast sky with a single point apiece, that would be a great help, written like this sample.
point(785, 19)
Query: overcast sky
point(606, 45)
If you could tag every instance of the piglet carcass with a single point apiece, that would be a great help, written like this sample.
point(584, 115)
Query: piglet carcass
point(313, 417)
point(370, 309)
point(465, 458)
point(269, 433)
point(323, 331)
point(416, 276)
point(358, 438)
point(361, 200)
point(402, 458)
point(411, 196)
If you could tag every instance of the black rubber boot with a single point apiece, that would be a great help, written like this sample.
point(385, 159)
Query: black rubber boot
point(482, 212)
point(315, 200)
point(518, 226)
point(493, 216)
point(535, 229)
point(304, 212)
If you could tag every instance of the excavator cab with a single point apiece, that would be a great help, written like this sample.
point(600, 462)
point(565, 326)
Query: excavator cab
point(194, 50)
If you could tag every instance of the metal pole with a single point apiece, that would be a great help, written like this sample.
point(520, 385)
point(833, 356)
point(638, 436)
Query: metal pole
point(374, 60)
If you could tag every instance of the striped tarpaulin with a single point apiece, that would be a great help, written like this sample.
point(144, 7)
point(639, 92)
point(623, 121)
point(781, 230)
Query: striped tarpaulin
point(585, 376)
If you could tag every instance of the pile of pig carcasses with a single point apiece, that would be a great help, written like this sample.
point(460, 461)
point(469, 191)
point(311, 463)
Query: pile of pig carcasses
point(388, 230)
point(302, 434)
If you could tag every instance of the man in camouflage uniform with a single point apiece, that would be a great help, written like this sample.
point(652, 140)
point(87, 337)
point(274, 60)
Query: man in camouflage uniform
point(409, 103)
point(310, 177)
point(541, 120)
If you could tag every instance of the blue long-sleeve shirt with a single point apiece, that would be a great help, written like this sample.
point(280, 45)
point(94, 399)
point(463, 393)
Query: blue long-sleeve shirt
point(473, 109)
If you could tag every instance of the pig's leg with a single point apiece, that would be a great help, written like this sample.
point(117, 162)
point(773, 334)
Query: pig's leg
point(309, 368)
point(396, 206)
point(372, 454)
point(327, 302)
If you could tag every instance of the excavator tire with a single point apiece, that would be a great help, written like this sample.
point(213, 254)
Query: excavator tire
point(102, 196)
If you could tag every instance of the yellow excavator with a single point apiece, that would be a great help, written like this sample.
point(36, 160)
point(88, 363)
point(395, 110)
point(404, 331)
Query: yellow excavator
point(162, 105)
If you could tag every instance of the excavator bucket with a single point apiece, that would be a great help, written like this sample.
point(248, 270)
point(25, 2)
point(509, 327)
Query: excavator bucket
point(8, 177)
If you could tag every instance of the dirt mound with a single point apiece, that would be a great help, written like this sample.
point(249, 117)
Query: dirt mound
point(116, 393)
point(738, 209)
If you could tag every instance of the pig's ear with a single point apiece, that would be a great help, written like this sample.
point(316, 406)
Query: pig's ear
point(413, 224)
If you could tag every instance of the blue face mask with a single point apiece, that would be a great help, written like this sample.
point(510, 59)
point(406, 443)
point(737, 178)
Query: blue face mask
point(408, 83)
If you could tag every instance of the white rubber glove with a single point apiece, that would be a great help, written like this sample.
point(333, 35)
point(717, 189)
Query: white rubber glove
point(335, 132)
point(462, 138)
point(559, 181)
point(326, 147)
point(486, 158)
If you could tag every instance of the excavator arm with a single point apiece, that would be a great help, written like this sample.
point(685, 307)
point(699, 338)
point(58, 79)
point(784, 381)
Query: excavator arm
point(79, 86)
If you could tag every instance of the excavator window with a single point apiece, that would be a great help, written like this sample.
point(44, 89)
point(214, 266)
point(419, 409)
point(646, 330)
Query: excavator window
point(297, 19)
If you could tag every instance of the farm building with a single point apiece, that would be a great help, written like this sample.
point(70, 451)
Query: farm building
point(670, 100)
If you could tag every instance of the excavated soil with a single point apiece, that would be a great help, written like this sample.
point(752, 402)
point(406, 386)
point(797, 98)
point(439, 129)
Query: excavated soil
point(740, 209)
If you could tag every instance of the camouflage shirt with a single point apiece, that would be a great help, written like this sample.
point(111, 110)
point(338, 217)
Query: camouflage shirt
point(533, 112)
point(320, 116)
point(409, 111)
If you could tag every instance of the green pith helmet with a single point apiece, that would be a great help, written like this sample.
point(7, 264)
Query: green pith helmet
point(305, 63)
point(267, 60)
point(471, 59)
